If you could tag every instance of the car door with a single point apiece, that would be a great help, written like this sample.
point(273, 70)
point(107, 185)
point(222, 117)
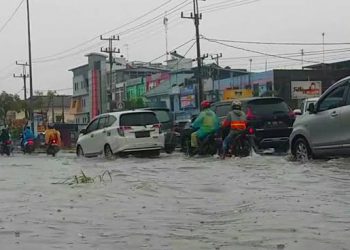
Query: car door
point(324, 125)
point(87, 140)
point(345, 123)
point(99, 135)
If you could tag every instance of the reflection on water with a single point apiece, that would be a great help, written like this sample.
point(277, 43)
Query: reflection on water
point(260, 202)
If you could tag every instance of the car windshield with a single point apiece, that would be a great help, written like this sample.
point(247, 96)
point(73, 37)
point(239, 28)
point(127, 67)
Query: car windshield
point(268, 106)
point(138, 119)
point(162, 115)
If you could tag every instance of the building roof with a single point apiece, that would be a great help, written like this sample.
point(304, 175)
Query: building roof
point(162, 89)
point(57, 101)
point(79, 67)
point(334, 66)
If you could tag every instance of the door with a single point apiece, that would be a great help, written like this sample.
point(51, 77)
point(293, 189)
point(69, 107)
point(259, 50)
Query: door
point(324, 126)
point(100, 135)
point(87, 140)
point(345, 123)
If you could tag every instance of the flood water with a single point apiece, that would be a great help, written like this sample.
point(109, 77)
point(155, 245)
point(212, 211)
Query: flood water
point(173, 202)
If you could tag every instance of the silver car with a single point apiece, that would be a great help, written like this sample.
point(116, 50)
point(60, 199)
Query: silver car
point(326, 130)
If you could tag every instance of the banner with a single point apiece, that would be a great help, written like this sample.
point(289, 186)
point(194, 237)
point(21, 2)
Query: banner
point(305, 89)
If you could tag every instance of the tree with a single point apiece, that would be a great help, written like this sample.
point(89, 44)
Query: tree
point(9, 102)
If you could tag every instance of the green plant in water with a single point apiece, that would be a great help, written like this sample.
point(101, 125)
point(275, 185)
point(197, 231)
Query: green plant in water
point(83, 178)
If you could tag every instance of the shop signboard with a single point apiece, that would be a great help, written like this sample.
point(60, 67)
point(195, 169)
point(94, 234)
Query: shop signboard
point(305, 89)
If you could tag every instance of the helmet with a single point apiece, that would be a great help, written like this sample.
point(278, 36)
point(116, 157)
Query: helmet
point(205, 104)
point(236, 105)
point(50, 126)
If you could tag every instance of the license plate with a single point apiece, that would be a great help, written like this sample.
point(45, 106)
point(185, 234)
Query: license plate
point(142, 134)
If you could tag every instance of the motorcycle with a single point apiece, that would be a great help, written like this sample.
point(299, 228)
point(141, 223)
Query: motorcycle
point(6, 148)
point(206, 146)
point(241, 146)
point(52, 148)
point(29, 147)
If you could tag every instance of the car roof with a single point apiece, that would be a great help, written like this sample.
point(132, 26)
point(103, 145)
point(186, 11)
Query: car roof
point(119, 113)
point(157, 108)
point(224, 102)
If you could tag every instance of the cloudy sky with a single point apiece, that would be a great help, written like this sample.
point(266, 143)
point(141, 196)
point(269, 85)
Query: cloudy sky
point(63, 31)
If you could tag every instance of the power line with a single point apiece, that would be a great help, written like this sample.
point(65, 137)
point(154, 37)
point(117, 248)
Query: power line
point(256, 52)
point(112, 30)
point(173, 50)
point(10, 18)
point(309, 53)
point(279, 43)
point(229, 5)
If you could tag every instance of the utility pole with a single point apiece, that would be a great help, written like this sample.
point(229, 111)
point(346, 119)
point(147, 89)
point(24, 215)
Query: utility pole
point(323, 34)
point(250, 72)
point(216, 58)
point(62, 109)
point(302, 58)
point(165, 22)
point(24, 76)
point(110, 50)
point(196, 16)
point(31, 113)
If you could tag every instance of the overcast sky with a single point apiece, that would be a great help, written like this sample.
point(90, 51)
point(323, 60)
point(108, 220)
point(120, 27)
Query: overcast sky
point(59, 26)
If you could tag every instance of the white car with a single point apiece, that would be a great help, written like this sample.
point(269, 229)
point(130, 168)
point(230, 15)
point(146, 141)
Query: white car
point(304, 107)
point(121, 133)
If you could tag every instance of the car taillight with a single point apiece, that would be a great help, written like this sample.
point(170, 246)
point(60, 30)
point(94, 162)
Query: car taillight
point(291, 114)
point(251, 131)
point(122, 129)
point(158, 126)
point(250, 115)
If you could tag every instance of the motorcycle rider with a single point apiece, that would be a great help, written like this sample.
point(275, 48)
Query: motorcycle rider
point(27, 136)
point(236, 122)
point(207, 122)
point(4, 137)
point(52, 134)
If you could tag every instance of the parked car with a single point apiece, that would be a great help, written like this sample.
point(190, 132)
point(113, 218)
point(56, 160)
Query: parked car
point(270, 120)
point(305, 106)
point(122, 133)
point(325, 131)
point(166, 119)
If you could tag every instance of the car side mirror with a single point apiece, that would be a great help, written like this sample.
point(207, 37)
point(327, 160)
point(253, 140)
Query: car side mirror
point(83, 131)
point(311, 108)
point(297, 111)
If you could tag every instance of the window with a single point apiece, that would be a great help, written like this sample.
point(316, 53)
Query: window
point(111, 121)
point(102, 122)
point(268, 106)
point(92, 126)
point(333, 100)
point(138, 119)
point(163, 115)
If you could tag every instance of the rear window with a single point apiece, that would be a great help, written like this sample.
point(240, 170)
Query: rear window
point(162, 115)
point(222, 110)
point(268, 106)
point(138, 119)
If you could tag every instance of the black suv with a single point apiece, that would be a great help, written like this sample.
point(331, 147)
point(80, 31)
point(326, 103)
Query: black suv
point(166, 118)
point(270, 120)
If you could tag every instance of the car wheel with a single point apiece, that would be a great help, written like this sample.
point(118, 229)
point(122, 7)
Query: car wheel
point(80, 152)
point(301, 150)
point(108, 152)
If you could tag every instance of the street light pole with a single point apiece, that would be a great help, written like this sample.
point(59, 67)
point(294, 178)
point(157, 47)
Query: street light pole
point(31, 114)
